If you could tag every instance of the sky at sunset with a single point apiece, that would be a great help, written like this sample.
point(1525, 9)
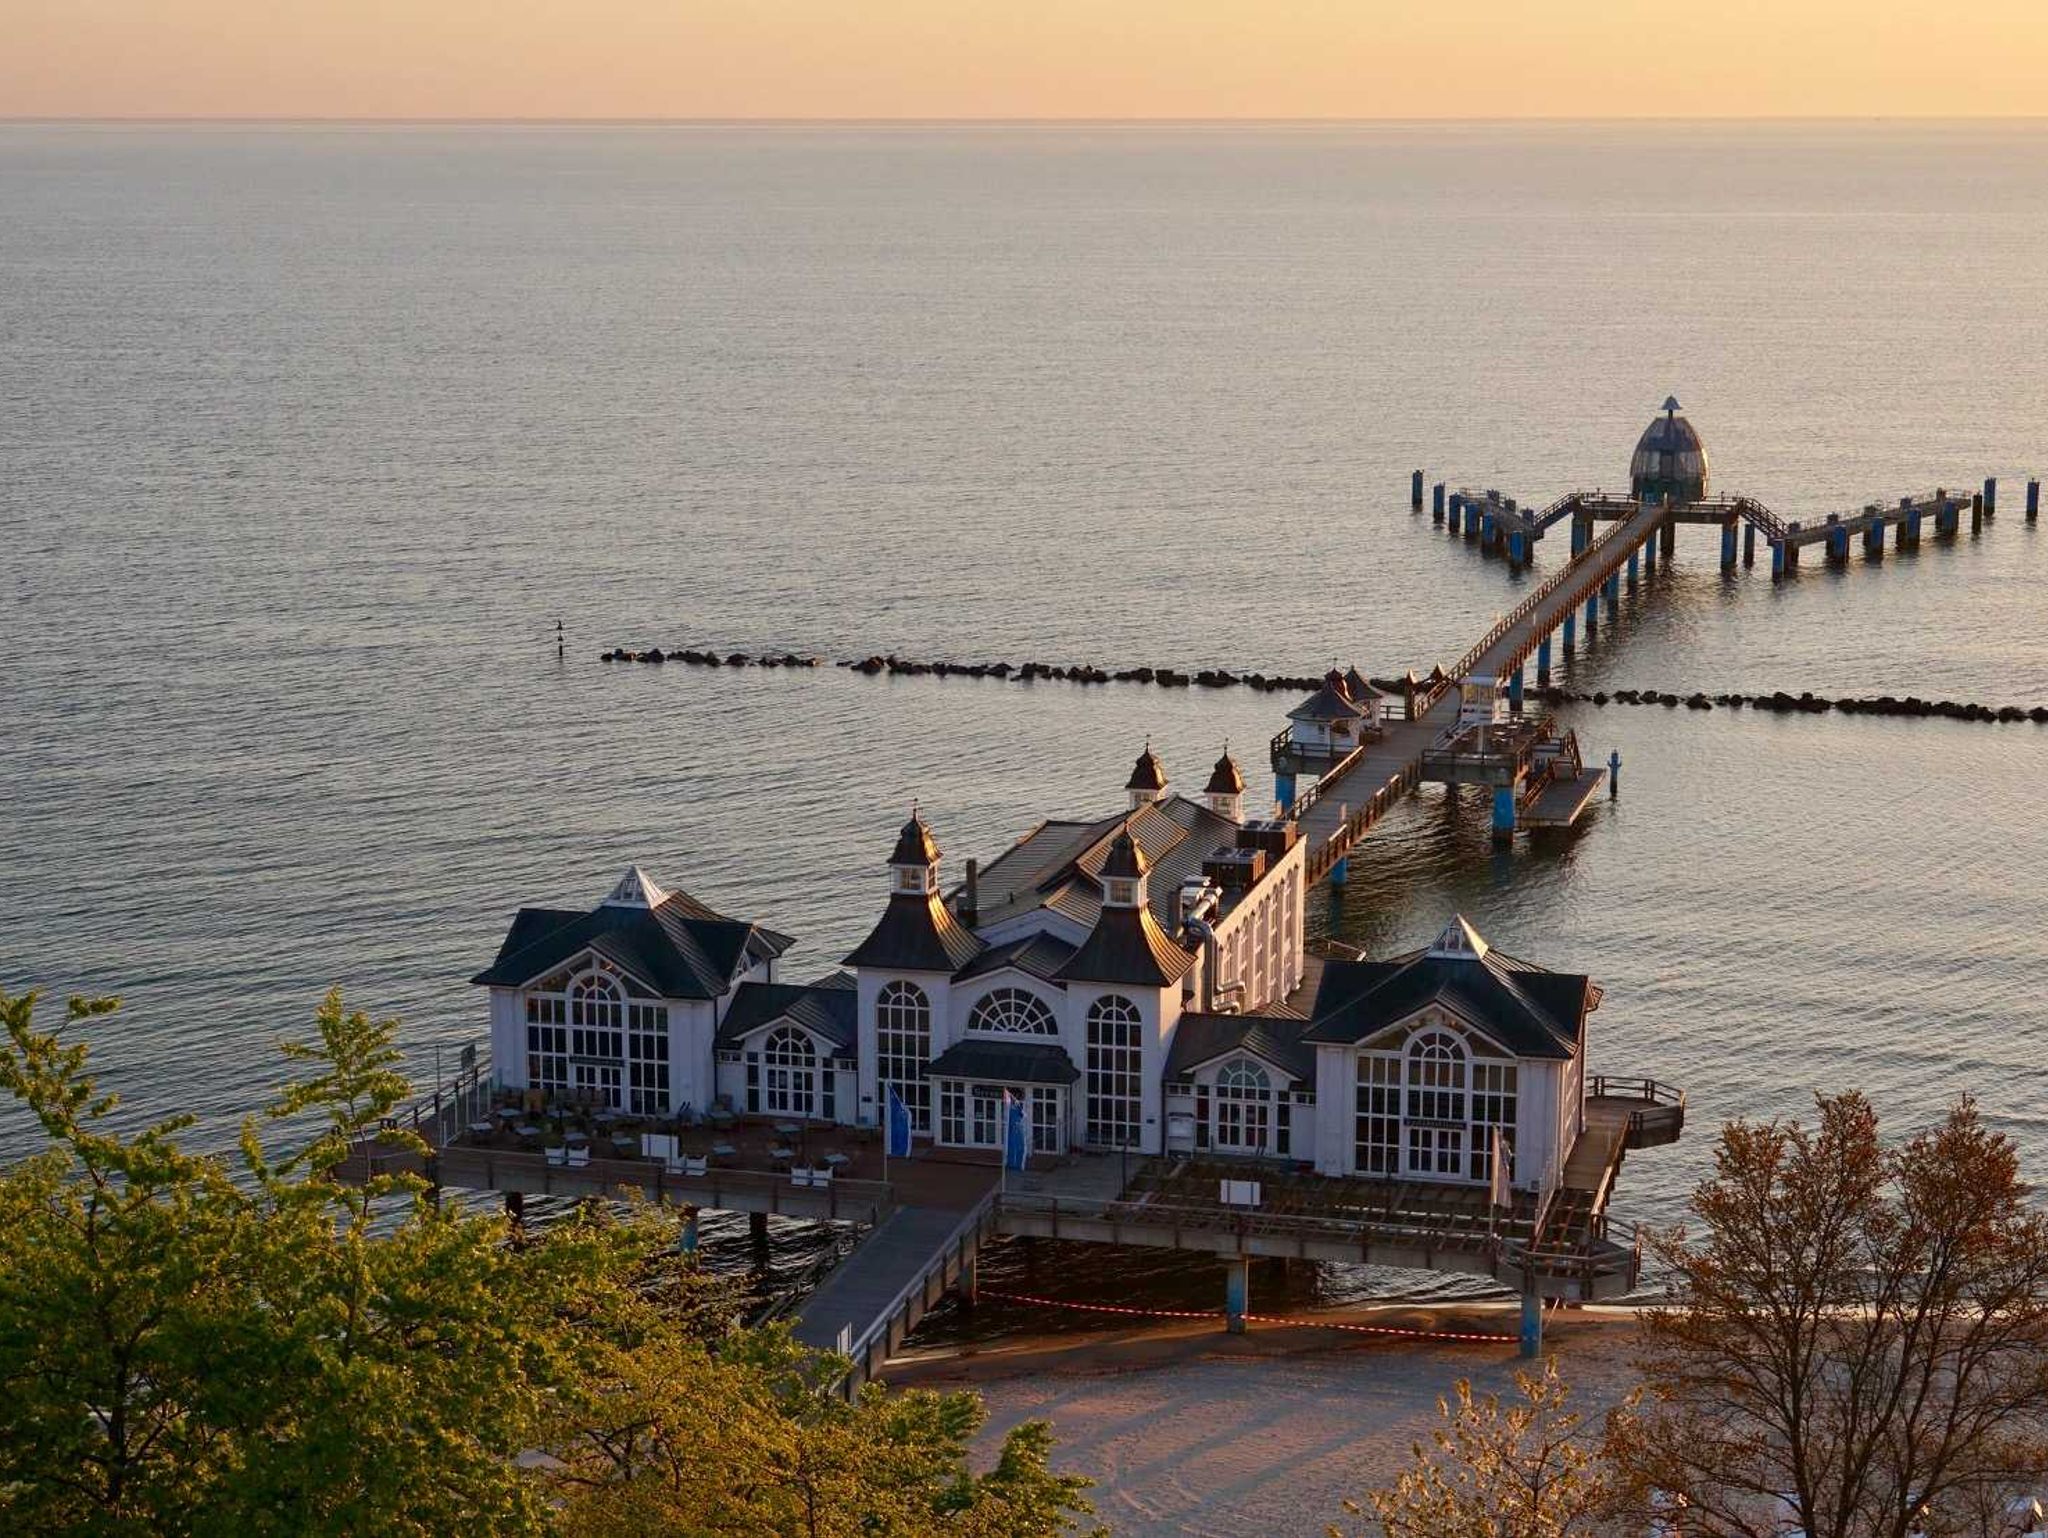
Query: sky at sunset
point(1025, 59)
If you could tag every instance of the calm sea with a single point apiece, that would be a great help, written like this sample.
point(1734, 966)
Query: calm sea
point(309, 435)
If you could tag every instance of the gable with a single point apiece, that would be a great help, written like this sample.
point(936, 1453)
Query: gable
point(1435, 1016)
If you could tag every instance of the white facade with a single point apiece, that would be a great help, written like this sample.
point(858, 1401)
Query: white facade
point(1420, 1101)
point(590, 1031)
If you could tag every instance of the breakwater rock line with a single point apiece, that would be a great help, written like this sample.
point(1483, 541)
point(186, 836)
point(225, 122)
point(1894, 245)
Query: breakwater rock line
point(1806, 703)
point(1777, 702)
point(1025, 672)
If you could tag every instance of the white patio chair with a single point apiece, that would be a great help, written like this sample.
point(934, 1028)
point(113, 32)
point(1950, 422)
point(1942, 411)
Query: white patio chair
point(558, 1156)
point(698, 1166)
point(579, 1158)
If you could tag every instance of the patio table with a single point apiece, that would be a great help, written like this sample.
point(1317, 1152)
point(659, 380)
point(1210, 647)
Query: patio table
point(483, 1128)
point(527, 1129)
point(837, 1159)
point(575, 1137)
point(723, 1150)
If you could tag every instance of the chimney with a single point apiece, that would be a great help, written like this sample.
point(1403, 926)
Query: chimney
point(970, 905)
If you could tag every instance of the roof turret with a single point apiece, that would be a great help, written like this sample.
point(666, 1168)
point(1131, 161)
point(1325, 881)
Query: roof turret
point(1226, 779)
point(915, 844)
point(635, 889)
point(1125, 860)
point(1148, 773)
point(1459, 941)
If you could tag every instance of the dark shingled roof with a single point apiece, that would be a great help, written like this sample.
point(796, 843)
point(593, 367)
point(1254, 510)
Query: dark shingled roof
point(1127, 946)
point(1226, 779)
point(825, 1009)
point(1006, 1062)
point(1359, 687)
point(679, 948)
point(1148, 773)
point(1058, 865)
point(915, 844)
point(1200, 1039)
point(1329, 703)
point(1530, 1011)
point(1041, 955)
point(916, 933)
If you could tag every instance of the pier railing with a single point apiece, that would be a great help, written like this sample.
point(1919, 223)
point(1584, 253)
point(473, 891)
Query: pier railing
point(438, 1117)
point(870, 1348)
point(1518, 615)
point(730, 1190)
point(1329, 777)
point(1503, 1248)
point(1608, 1086)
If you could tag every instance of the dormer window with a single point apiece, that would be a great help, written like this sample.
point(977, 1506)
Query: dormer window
point(914, 879)
point(1123, 894)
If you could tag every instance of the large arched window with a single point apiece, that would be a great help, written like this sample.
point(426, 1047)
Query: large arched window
point(1014, 1012)
point(1116, 1062)
point(903, 1049)
point(1436, 1078)
point(1244, 1111)
point(1436, 1105)
point(790, 1066)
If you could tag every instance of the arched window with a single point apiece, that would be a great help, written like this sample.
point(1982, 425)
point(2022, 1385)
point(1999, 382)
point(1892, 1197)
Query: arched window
point(1436, 1078)
point(1436, 1106)
point(903, 1049)
point(1013, 1012)
point(791, 1070)
point(594, 1001)
point(1116, 1063)
point(1244, 1112)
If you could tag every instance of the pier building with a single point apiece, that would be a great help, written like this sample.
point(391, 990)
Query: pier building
point(1191, 1073)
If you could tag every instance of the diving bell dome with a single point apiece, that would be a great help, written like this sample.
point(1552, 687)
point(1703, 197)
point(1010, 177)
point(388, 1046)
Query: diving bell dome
point(1670, 462)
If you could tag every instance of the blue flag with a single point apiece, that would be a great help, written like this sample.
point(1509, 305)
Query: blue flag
point(899, 1126)
point(1016, 1136)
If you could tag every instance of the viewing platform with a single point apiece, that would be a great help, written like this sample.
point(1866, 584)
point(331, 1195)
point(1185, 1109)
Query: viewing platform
point(927, 1223)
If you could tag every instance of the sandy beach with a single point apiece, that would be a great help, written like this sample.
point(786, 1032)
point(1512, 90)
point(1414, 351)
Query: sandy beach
point(1190, 1431)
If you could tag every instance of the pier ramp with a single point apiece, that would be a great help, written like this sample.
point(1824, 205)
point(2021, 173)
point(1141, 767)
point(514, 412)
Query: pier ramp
point(876, 1297)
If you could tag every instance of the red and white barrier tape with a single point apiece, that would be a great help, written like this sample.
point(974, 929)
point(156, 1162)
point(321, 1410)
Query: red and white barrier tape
point(1473, 1336)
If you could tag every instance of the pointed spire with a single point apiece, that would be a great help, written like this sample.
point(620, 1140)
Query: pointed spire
point(1147, 773)
point(1148, 778)
point(635, 889)
point(1125, 860)
point(1226, 779)
point(915, 844)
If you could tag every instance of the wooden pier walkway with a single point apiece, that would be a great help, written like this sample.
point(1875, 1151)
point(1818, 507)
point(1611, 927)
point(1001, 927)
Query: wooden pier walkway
point(1357, 791)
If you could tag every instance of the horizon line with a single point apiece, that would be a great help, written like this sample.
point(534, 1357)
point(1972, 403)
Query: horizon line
point(1047, 121)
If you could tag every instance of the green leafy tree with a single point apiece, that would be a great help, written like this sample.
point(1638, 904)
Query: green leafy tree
point(194, 1346)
